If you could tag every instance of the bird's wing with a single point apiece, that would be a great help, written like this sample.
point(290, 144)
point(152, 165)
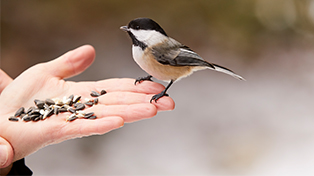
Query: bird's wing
point(178, 55)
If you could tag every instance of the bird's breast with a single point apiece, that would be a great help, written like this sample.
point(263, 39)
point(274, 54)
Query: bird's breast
point(148, 63)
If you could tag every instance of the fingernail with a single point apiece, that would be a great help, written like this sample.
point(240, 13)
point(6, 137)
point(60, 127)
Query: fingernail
point(122, 124)
point(3, 155)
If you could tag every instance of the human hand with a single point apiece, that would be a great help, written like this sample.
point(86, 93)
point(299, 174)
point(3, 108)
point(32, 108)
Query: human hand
point(124, 102)
point(4, 80)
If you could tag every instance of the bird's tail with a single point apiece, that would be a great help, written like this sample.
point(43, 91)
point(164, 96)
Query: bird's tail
point(226, 71)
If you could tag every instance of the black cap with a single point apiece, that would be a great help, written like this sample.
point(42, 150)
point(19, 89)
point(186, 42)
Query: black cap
point(145, 24)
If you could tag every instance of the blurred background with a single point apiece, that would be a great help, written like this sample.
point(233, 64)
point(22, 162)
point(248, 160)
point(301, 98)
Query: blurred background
point(220, 126)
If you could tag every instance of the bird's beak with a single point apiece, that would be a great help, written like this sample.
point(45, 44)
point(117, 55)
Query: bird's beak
point(124, 28)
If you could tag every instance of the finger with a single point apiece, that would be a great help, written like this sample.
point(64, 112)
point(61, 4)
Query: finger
point(129, 113)
point(87, 127)
point(4, 80)
point(6, 153)
point(127, 98)
point(127, 84)
point(71, 63)
point(164, 104)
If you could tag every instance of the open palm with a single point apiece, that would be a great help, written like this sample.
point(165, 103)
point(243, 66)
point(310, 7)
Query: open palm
point(124, 102)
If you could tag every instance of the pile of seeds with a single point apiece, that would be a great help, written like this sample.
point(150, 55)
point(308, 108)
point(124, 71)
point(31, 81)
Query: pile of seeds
point(49, 107)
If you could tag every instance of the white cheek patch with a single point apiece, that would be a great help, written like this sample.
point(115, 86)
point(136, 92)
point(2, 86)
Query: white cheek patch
point(149, 37)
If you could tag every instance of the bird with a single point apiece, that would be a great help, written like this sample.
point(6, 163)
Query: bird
point(162, 57)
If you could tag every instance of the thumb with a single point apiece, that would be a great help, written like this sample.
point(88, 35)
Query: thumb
point(72, 63)
point(6, 153)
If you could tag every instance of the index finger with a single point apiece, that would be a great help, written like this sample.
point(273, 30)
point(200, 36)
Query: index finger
point(127, 85)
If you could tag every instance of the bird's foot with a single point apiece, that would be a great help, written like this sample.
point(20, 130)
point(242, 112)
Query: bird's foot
point(140, 79)
point(157, 96)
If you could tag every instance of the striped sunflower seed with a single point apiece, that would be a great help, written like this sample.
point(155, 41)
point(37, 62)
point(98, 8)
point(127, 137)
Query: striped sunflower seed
point(26, 118)
point(71, 117)
point(76, 98)
point(88, 115)
point(30, 109)
point(19, 112)
point(89, 103)
point(92, 117)
point(39, 103)
point(63, 109)
point(56, 110)
point(96, 101)
point(70, 109)
point(94, 94)
point(14, 119)
point(79, 106)
point(102, 92)
point(49, 102)
point(37, 118)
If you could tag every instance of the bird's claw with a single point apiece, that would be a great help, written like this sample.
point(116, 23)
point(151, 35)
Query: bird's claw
point(157, 96)
point(140, 79)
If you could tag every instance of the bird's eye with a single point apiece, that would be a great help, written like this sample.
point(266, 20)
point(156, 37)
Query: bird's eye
point(137, 27)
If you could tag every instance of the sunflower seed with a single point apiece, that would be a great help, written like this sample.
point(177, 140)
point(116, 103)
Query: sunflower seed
point(102, 92)
point(26, 118)
point(37, 118)
point(44, 116)
point(19, 112)
point(56, 110)
point(33, 116)
point(92, 117)
point(34, 111)
point(66, 101)
point(96, 101)
point(58, 101)
point(94, 94)
point(88, 115)
point(79, 115)
point(49, 102)
point(71, 99)
point(63, 109)
point(30, 109)
point(71, 117)
point(12, 118)
point(70, 109)
point(48, 113)
point(89, 103)
point(46, 106)
point(79, 106)
point(76, 98)
point(39, 103)
point(81, 112)
point(75, 105)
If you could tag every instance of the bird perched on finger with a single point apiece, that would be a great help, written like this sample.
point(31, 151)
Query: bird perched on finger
point(162, 57)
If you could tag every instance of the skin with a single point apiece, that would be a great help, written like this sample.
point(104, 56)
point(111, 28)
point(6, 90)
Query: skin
point(124, 102)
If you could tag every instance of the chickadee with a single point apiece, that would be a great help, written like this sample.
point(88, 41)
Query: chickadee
point(163, 57)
